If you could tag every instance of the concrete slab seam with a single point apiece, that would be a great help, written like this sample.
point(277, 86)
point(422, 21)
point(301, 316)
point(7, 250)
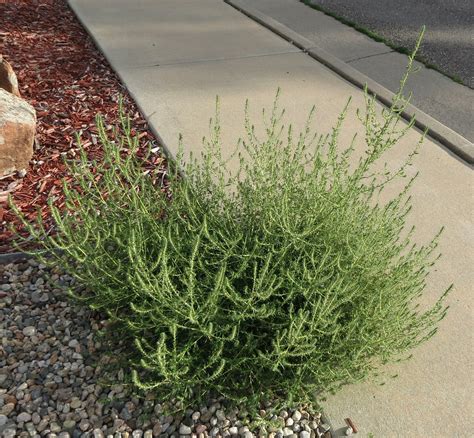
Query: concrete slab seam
point(455, 142)
point(369, 56)
point(208, 60)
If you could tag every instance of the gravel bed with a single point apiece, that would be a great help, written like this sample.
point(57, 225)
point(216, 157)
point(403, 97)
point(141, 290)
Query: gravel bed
point(53, 367)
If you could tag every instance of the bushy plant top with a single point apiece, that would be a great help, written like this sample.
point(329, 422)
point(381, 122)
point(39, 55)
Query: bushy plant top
point(283, 280)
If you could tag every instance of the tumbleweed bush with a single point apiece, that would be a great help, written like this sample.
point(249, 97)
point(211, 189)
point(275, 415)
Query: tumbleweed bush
point(285, 279)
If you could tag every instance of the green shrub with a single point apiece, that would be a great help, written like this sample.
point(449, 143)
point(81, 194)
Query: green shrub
point(285, 279)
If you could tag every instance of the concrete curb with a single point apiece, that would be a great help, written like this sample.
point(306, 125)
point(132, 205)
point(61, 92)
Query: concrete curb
point(435, 129)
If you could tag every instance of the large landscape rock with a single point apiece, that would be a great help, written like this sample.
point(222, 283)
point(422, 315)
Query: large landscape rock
point(8, 79)
point(17, 132)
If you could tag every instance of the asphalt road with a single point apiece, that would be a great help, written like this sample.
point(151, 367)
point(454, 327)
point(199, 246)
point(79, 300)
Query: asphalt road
point(449, 37)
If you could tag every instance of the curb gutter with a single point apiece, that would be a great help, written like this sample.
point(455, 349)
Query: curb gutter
point(455, 142)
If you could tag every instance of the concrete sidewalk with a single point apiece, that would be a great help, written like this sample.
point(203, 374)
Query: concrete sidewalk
point(176, 56)
point(445, 100)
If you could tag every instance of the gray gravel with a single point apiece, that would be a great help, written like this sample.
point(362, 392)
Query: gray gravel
point(448, 40)
point(53, 365)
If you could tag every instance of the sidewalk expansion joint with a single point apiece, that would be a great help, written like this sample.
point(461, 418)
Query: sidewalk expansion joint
point(370, 56)
point(230, 58)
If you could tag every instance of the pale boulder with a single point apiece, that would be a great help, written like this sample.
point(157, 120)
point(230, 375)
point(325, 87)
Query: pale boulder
point(17, 133)
point(8, 80)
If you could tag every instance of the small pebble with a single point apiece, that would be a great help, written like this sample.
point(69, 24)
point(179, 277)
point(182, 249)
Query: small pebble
point(185, 430)
point(296, 416)
point(97, 433)
point(29, 331)
point(24, 417)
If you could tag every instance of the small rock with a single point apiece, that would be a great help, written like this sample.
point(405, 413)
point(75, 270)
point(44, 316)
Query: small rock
point(206, 416)
point(17, 132)
point(201, 428)
point(120, 375)
point(126, 412)
point(31, 429)
point(296, 416)
point(69, 424)
point(220, 415)
point(7, 409)
point(24, 417)
point(29, 331)
point(8, 80)
point(305, 434)
point(35, 418)
point(185, 430)
point(313, 425)
point(157, 429)
point(54, 427)
point(324, 427)
point(98, 433)
point(42, 425)
point(9, 433)
point(75, 403)
point(84, 425)
point(64, 394)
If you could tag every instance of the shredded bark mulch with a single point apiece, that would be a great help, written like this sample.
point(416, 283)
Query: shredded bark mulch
point(68, 81)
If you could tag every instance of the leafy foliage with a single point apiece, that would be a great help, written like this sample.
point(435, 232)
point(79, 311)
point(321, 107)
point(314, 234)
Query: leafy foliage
point(285, 279)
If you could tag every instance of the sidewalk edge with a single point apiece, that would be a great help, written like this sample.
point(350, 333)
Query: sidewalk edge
point(99, 47)
point(455, 142)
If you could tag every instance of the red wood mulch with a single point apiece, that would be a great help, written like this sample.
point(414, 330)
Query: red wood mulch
point(68, 81)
